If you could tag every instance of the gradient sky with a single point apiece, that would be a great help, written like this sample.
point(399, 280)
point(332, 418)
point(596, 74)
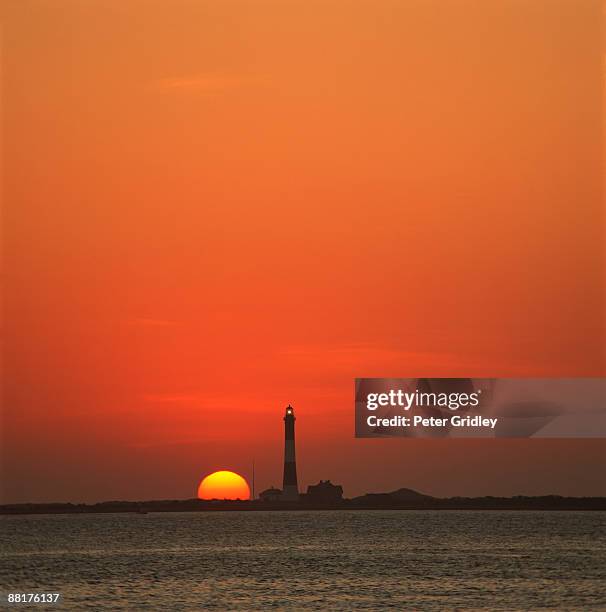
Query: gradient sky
point(216, 208)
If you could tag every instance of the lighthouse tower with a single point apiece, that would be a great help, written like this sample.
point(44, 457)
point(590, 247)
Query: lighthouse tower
point(290, 491)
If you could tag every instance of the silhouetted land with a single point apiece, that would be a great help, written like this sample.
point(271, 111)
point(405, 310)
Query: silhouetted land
point(402, 499)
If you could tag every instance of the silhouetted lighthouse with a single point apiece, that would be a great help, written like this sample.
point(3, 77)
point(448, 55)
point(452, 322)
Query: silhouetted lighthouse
point(290, 491)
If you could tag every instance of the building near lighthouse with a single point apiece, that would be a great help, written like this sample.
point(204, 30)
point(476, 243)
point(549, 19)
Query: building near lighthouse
point(290, 489)
point(324, 492)
point(271, 495)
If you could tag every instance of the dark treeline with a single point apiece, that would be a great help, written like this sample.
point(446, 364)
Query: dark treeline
point(380, 501)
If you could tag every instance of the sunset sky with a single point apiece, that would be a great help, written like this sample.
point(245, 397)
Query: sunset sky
point(215, 208)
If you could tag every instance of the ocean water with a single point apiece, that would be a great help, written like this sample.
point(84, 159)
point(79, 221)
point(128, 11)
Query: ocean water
point(429, 560)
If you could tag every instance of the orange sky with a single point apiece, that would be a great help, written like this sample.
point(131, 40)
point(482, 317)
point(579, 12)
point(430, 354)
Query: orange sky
point(213, 209)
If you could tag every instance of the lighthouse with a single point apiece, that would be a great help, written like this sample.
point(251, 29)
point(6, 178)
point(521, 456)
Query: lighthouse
point(290, 491)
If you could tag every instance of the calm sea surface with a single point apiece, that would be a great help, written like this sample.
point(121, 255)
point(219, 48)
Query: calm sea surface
point(318, 560)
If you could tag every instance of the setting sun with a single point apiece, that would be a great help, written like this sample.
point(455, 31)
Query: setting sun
point(223, 485)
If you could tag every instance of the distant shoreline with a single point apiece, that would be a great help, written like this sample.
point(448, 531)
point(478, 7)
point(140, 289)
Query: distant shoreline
point(366, 502)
